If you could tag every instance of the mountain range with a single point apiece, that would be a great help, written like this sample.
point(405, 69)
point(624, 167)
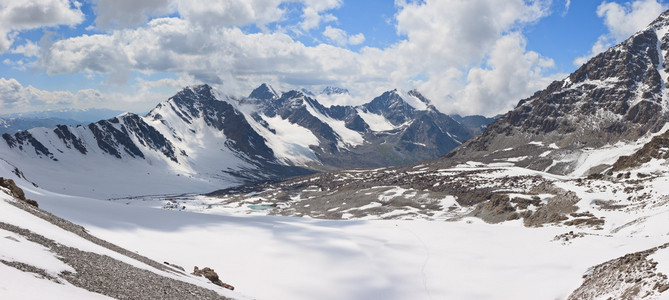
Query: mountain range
point(202, 139)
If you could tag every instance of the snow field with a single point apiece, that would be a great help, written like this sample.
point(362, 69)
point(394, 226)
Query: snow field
point(298, 258)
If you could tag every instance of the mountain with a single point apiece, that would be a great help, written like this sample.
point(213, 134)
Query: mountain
point(616, 98)
point(333, 90)
point(201, 139)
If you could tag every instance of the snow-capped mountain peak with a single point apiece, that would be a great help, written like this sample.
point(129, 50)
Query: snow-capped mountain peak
point(264, 92)
point(333, 90)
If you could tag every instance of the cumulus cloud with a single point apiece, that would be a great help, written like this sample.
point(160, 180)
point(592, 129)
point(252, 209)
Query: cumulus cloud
point(450, 50)
point(126, 13)
point(116, 14)
point(29, 49)
point(313, 13)
point(511, 71)
point(23, 15)
point(16, 97)
point(341, 38)
point(448, 38)
point(621, 22)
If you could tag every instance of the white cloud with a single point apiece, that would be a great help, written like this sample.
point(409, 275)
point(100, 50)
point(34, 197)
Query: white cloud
point(443, 40)
point(126, 13)
point(230, 12)
point(16, 97)
point(312, 13)
point(336, 35)
point(23, 15)
point(29, 49)
point(356, 39)
point(144, 94)
point(511, 71)
point(117, 14)
point(341, 38)
point(622, 21)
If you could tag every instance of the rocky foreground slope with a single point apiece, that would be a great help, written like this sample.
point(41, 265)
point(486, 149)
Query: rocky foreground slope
point(45, 255)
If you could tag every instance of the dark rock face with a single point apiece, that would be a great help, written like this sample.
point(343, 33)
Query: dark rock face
point(616, 96)
point(114, 141)
point(23, 138)
point(69, 139)
point(656, 148)
point(149, 136)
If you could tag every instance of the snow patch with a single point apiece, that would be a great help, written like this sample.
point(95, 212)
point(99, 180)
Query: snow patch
point(375, 122)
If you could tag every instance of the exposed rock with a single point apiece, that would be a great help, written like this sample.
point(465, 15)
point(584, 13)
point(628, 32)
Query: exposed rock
point(657, 148)
point(212, 276)
point(497, 209)
point(557, 208)
point(16, 191)
point(633, 276)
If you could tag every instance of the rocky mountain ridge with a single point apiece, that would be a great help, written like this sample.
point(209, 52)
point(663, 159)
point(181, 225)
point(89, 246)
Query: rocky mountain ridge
point(619, 95)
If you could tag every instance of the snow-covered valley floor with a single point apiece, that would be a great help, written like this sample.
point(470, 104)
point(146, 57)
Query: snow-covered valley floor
point(272, 257)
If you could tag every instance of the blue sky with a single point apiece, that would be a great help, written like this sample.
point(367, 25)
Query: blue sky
point(468, 57)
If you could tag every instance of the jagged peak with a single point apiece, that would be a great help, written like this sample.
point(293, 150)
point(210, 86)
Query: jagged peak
point(661, 21)
point(333, 90)
point(264, 92)
point(420, 96)
point(412, 98)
